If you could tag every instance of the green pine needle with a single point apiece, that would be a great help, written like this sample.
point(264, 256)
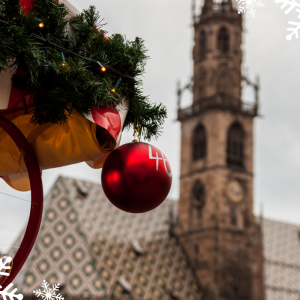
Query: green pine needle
point(60, 90)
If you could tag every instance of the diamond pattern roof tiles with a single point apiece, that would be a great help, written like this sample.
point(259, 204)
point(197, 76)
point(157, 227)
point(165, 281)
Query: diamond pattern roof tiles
point(282, 260)
point(85, 243)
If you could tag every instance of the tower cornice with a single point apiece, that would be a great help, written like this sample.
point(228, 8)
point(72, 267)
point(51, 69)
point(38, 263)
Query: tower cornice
point(218, 101)
point(232, 18)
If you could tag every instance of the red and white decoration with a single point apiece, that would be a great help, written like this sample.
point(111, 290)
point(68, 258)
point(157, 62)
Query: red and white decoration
point(110, 119)
point(136, 177)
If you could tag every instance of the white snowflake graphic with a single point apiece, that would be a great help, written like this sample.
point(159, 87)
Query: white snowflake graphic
point(4, 260)
point(11, 294)
point(49, 293)
point(249, 5)
point(291, 5)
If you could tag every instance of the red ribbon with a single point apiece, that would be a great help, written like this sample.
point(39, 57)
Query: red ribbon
point(27, 5)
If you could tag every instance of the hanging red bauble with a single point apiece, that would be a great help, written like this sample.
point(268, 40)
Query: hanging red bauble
point(136, 177)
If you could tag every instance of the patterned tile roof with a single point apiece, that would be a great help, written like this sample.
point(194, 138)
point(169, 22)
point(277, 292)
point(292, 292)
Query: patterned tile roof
point(282, 260)
point(89, 245)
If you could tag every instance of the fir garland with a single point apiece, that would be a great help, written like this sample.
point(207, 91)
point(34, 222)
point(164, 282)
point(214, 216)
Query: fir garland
point(64, 82)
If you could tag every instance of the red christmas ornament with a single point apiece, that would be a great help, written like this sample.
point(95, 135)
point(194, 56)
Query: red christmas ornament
point(136, 177)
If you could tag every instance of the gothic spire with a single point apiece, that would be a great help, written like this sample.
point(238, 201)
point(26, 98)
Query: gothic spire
point(207, 7)
point(212, 7)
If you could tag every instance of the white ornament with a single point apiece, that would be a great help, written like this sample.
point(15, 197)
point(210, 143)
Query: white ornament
point(49, 293)
point(3, 265)
point(11, 294)
point(291, 5)
point(249, 5)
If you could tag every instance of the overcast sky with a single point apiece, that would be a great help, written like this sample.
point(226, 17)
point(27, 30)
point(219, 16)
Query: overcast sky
point(165, 26)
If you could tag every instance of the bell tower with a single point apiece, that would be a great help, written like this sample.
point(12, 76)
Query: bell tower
point(216, 225)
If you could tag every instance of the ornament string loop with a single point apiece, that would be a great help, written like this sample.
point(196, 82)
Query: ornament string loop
point(136, 125)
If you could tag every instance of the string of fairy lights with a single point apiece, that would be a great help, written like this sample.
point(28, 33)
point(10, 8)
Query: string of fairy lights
point(103, 67)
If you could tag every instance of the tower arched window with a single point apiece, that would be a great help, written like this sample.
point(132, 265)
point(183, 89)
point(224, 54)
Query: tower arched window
point(235, 145)
point(199, 143)
point(223, 41)
point(198, 195)
point(203, 44)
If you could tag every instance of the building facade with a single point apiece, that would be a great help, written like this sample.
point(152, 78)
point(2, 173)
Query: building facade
point(216, 225)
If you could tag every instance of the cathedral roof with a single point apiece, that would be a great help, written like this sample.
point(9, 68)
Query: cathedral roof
point(282, 260)
point(93, 249)
point(90, 247)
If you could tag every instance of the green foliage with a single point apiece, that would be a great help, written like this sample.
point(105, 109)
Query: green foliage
point(61, 90)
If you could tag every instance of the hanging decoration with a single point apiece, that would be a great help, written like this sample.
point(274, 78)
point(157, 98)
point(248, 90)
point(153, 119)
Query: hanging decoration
point(68, 65)
point(60, 70)
point(136, 177)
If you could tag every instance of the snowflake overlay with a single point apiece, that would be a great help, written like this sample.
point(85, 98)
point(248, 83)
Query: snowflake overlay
point(5, 293)
point(3, 265)
point(291, 4)
point(249, 5)
point(48, 293)
point(11, 294)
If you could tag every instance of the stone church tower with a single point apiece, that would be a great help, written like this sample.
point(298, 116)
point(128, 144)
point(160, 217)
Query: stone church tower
point(216, 225)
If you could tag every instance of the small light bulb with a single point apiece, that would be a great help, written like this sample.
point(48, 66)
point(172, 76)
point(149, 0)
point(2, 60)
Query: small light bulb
point(113, 90)
point(41, 25)
point(64, 63)
point(103, 69)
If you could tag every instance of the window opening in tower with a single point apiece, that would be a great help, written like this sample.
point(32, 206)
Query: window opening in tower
point(199, 143)
point(202, 44)
point(223, 41)
point(235, 141)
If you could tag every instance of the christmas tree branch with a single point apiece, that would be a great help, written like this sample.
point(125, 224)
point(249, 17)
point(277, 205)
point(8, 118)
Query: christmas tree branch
point(63, 70)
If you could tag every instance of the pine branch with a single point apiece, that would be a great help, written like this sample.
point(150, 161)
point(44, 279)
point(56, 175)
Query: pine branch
point(59, 91)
